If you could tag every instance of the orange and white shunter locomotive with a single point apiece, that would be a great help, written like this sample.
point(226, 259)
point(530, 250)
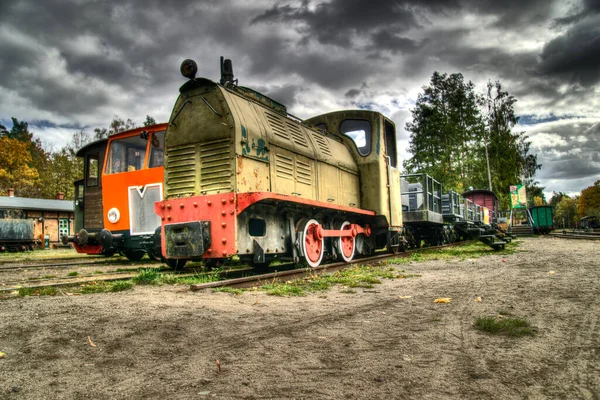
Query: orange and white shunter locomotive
point(114, 206)
point(245, 178)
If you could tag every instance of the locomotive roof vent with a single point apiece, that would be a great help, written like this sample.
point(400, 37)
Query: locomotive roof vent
point(227, 72)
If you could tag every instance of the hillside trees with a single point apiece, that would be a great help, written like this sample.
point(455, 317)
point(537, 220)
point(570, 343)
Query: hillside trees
point(455, 132)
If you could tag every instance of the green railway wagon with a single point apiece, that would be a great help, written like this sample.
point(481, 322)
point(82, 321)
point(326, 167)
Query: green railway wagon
point(543, 219)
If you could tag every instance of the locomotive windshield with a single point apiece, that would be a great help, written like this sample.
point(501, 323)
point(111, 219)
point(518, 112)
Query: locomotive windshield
point(157, 150)
point(359, 131)
point(126, 154)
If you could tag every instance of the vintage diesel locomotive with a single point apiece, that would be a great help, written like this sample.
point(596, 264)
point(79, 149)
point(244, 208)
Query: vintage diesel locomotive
point(114, 203)
point(245, 178)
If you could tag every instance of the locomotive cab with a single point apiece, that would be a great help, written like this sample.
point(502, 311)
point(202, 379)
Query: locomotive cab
point(115, 200)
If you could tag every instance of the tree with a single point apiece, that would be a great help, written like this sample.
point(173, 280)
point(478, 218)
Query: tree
point(534, 192)
point(589, 201)
point(510, 161)
point(117, 125)
point(15, 171)
point(556, 198)
point(445, 129)
point(149, 121)
point(565, 213)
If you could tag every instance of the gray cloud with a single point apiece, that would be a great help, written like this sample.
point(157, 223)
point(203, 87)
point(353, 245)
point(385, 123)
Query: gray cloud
point(79, 62)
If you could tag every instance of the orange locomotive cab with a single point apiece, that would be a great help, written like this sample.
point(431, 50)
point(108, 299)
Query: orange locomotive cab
point(124, 178)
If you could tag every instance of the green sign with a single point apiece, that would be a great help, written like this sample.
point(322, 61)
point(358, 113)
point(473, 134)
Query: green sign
point(518, 197)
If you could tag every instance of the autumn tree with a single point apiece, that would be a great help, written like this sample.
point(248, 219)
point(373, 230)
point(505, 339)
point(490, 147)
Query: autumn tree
point(15, 171)
point(589, 201)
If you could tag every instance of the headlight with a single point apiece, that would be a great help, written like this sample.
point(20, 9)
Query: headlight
point(114, 215)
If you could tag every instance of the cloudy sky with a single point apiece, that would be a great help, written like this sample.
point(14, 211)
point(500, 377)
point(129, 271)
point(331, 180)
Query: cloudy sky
point(72, 64)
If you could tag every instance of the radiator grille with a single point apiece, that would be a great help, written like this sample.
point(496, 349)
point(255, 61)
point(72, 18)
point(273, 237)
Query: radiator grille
point(284, 167)
point(303, 172)
point(277, 126)
point(180, 171)
point(322, 143)
point(141, 205)
point(297, 135)
point(216, 172)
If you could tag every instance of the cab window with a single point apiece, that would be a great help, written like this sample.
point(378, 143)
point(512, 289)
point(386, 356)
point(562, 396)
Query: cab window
point(126, 155)
point(359, 131)
point(157, 150)
point(390, 144)
point(92, 169)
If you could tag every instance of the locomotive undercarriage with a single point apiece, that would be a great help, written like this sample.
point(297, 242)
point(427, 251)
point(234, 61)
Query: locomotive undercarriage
point(294, 232)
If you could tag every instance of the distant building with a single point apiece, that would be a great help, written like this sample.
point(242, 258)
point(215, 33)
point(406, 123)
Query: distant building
point(51, 217)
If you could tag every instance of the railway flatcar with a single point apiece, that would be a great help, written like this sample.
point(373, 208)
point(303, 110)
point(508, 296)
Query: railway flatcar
point(114, 203)
point(245, 178)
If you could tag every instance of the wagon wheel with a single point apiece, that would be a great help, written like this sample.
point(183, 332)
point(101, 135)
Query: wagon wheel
point(134, 254)
point(347, 245)
point(152, 255)
point(175, 263)
point(312, 245)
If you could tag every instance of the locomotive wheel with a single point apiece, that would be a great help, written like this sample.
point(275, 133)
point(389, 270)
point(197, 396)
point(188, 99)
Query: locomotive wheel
point(134, 255)
point(312, 246)
point(347, 245)
point(394, 246)
point(174, 263)
point(152, 255)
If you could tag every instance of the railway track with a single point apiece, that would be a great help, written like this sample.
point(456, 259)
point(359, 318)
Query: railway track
point(256, 280)
point(577, 235)
point(52, 265)
point(235, 278)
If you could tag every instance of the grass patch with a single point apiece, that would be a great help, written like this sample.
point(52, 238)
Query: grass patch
point(104, 287)
point(47, 291)
point(350, 278)
point(98, 272)
point(146, 276)
point(234, 291)
point(507, 326)
point(48, 277)
point(73, 273)
point(462, 252)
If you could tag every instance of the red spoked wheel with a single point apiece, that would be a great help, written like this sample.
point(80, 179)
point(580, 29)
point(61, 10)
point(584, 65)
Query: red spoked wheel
point(312, 243)
point(346, 243)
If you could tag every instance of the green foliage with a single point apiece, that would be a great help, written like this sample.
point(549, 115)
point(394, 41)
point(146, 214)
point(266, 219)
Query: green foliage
point(503, 326)
point(565, 213)
point(454, 132)
point(117, 125)
point(73, 273)
point(446, 131)
point(149, 121)
point(46, 291)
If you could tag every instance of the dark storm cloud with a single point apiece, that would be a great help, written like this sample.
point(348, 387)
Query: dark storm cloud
point(575, 56)
point(284, 94)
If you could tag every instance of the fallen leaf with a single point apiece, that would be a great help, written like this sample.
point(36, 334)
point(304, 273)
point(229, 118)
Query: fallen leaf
point(255, 303)
point(478, 299)
point(218, 365)
point(2, 355)
point(503, 260)
point(443, 300)
point(205, 393)
point(90, 342)
point(400, 277)
point(551, 272)
point(405, 297)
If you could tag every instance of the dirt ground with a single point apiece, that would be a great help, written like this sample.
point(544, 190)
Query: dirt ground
point(389, 342)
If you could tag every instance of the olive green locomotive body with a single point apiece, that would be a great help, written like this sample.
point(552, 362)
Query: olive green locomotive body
point(244, 178)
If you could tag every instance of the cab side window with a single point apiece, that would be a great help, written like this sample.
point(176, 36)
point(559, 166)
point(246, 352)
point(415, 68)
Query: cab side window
point(92, 170)
point(359, 131)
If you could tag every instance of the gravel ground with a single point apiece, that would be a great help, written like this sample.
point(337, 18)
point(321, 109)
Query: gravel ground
point(392, 341)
